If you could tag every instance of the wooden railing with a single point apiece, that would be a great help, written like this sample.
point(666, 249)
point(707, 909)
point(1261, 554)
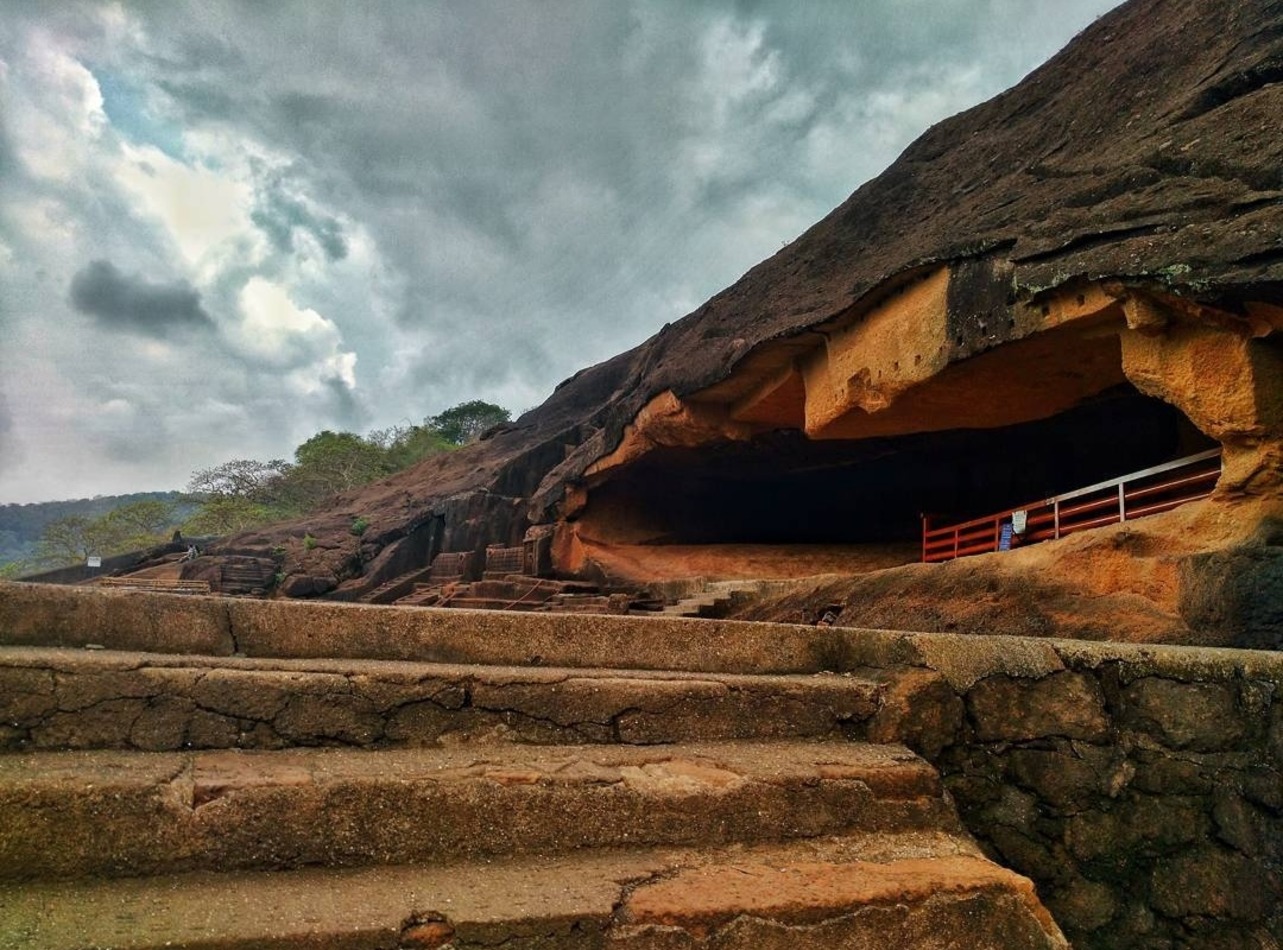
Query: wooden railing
point(1146, 492)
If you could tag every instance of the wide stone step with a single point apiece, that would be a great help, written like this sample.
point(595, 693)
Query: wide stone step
point(96, 699)
point(874, 891)
point(52, 616)
point(69, 814)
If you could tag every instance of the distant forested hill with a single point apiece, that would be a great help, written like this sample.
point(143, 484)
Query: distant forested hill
point(21, 525)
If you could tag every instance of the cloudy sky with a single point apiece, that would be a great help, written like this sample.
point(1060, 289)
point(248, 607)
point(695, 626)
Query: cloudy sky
point(225, 226)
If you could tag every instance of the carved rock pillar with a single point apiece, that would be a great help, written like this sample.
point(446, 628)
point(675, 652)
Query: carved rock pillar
point(1228, 384)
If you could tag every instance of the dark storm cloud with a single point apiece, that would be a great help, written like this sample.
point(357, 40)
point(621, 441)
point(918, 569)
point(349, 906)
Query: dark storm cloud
point(524, 165)
point(465, 111)
point(280, 214)
point(195, 50)
point(128, 302)
point(343, 405)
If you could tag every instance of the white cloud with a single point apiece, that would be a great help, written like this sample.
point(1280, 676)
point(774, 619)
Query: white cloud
point(276, 331)
point(736, 66)
point(737, 93)
point(867, 129)
point(337, 367)
point(200, 209)
point(55, 110)
point(44, 215)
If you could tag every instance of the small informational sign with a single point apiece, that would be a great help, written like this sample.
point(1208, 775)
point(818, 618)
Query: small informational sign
point(93, 561)
point(1004, 539)
point(1019, 521)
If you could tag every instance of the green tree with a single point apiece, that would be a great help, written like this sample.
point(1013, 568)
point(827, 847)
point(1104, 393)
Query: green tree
point(238, 478)
point(466, 422)
point(344, 459)
point(134, 526)
point(15, 569)
point(22, 525)
point(327, 463)
point(243, 493)
point(227, 514)
point(404, 445)
point(71, 539)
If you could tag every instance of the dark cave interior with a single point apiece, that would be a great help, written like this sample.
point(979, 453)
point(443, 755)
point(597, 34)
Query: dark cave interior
point(782, 488)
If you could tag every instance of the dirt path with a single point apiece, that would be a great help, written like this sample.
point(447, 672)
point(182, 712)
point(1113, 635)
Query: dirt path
point(745, 561)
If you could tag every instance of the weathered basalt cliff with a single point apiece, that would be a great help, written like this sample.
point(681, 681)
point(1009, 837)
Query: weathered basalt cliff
point(1080, 277)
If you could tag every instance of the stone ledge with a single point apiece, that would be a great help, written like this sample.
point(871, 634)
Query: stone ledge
point(76, 814)
point(547, 902)
point(50, 615)
point(54, 615)
point(54, 698)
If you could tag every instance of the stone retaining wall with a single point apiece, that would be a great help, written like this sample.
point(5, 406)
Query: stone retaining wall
point(1140, 788)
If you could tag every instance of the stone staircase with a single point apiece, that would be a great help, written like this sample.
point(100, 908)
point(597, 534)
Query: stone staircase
point(716, 598)
point(400, 586)
point(446, 569)
point(517, 592)
point(245, 575)
point(221, 773)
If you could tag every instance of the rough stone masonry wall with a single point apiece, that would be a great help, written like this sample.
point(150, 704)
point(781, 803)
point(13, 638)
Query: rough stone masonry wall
point(1141, 788)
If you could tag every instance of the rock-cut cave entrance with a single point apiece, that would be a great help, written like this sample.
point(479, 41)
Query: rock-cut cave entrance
point(783, 489)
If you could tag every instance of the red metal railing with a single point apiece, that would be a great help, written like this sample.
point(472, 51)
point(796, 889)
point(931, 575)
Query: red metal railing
point(1146, 492)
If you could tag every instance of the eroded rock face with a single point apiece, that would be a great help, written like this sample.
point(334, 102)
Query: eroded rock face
point(1110, 225)
point(1229, 384)
point(1210, 573)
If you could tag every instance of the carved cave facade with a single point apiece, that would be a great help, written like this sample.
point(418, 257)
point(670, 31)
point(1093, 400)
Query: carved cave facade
point(937, 396)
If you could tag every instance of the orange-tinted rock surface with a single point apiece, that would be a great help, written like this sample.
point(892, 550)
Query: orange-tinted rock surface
point(1079, 278)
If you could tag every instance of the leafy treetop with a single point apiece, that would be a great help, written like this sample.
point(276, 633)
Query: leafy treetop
point(466, 422)
point(243, 493)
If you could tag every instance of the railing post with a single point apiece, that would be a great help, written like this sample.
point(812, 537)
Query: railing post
point(1122, 502)
point(1055, 512)
point(955, 543)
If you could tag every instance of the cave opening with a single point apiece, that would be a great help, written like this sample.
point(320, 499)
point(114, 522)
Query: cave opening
point(781, 488)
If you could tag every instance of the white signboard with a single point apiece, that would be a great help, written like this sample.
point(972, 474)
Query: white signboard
point(93, 561)
point(1019, 519)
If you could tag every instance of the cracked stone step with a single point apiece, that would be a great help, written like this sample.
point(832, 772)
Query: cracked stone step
point(79, 699)
point(874, 891)
point(52, 616)
point(69, 814)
